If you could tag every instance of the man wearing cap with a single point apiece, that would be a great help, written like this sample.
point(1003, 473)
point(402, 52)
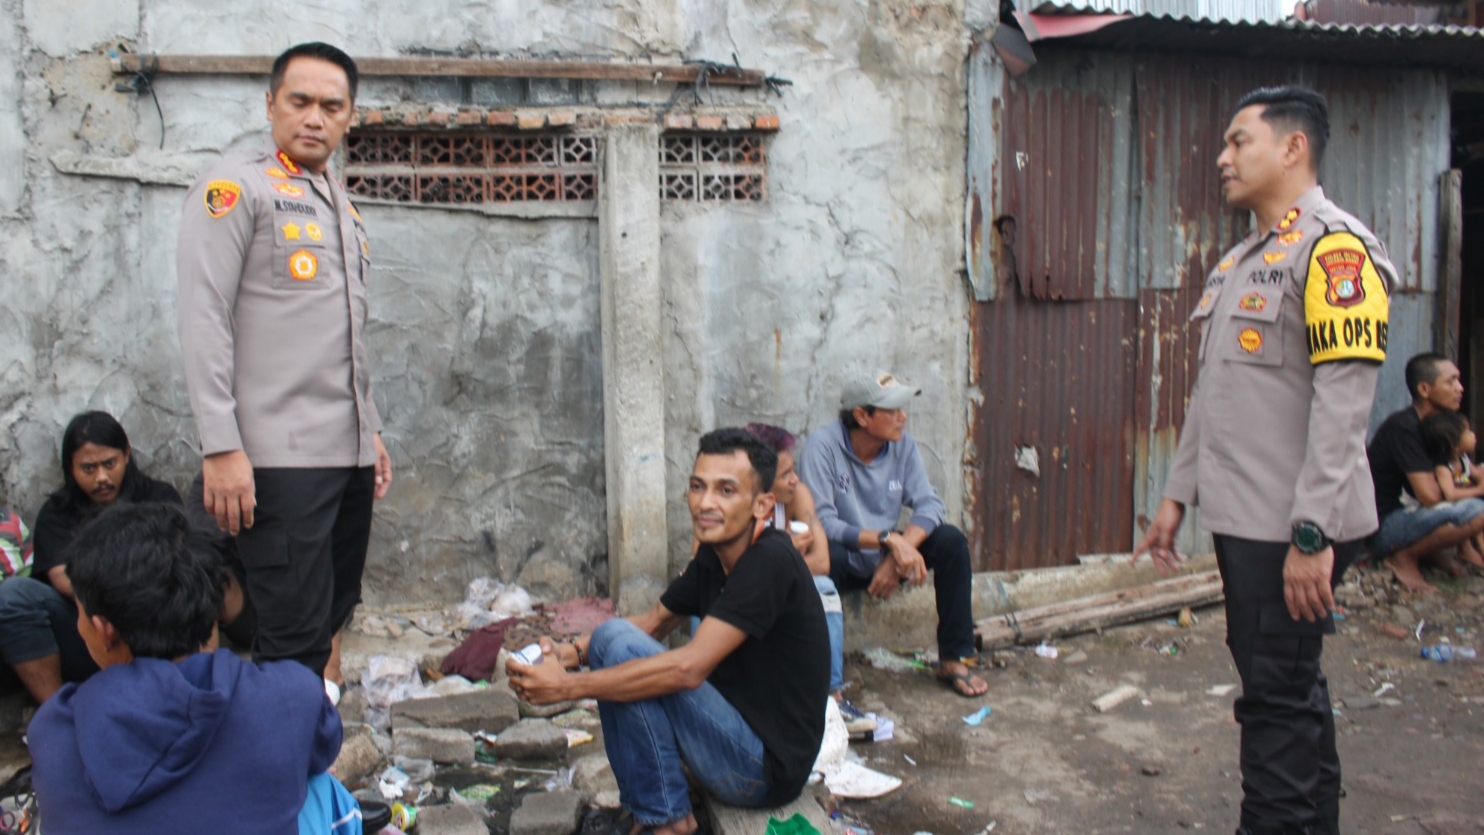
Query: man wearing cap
point(863, 469)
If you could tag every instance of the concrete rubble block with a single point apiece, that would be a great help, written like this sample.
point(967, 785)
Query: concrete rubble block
point(528, 710)
point(446, 746)
point(359, 758)
point(593, 774)
point(488, 709)
point(450, 819)
point(531, 739)
point(550, 813)
point(352, 707)
point(608, 800)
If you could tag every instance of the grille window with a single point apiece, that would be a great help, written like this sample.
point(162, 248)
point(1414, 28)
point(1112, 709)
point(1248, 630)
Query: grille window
point(451, 167)
point(711, 167)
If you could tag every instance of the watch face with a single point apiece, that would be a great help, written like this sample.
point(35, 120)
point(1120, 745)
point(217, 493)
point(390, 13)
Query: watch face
point(1308, 538)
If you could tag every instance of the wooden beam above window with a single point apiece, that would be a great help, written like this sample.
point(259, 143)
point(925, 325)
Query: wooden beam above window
point(413, 66)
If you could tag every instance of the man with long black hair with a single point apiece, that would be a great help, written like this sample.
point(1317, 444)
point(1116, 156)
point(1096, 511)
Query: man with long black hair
point(38, 620)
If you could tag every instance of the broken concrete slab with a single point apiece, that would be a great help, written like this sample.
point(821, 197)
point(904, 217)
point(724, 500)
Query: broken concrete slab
point(488, 709)
point(450, 819)
point(732, 820)
point(352, 706)
point(531, 739)
point(550, 813)
point(359, 759)
point(530, 711)
point(593, 774)
point(446, 746)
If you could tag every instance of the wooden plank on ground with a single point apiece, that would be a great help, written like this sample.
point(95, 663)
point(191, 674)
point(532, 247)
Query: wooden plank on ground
point(1071, 617)
point(731, 820)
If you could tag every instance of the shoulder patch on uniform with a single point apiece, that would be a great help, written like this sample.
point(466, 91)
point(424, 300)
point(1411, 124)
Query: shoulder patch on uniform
point(221, 197)
point(1346, 308)
point(1291, 237)
point(1226, 263)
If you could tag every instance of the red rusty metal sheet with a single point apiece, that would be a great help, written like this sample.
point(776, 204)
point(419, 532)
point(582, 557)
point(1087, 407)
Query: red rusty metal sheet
point(1058, 378)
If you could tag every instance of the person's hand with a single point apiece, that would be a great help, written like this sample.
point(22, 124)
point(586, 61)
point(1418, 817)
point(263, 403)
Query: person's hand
point(885, 581)
point(383, 467)
point(802, 541)
point(564, 652)
point(1306, 583)
point(229, 493)
point(1159, 540)
point(910, 565)
point(540, 684)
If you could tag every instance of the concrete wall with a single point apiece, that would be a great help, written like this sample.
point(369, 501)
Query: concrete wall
point(485, 334)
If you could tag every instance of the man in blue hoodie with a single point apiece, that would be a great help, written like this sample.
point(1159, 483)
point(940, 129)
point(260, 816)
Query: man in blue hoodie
point(863, 469)
point(166, 738)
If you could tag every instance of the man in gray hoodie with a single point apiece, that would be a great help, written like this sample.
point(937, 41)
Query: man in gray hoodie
point(863, 469)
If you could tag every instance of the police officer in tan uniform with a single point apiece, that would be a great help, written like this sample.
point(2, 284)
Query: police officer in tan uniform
point(272, 266)
point(1293, 325)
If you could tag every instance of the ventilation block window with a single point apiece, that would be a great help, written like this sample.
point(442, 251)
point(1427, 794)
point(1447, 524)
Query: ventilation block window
point(470, 168)
point(713, 167)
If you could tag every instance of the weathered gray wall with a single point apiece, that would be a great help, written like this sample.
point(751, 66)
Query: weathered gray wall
point(485, 336)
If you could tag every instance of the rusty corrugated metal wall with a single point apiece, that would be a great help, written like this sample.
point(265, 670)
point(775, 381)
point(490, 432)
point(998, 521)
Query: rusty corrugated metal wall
point(1095, 212)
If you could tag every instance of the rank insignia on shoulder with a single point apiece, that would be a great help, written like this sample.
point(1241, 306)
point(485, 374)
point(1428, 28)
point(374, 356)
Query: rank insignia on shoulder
point(221, 197)
point(1253, 302)
point(283, 159)
point(276, 173)
point(288, 188)
point(1293, 237)
point(1226, 264)
point(1289, 218)
point(1250, 340)
point(1274, 257)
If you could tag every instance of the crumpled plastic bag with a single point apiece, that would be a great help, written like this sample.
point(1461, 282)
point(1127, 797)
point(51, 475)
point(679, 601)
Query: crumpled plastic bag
point(796, 825)
point(392, 678)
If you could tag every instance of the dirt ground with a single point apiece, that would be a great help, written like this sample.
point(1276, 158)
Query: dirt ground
point(1166, 762)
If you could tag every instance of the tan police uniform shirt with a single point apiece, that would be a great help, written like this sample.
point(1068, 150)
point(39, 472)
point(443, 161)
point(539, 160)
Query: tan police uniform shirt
point(1293, 325)
point(272, 266)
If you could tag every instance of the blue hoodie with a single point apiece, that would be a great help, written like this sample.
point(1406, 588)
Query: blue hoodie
point(210, 744)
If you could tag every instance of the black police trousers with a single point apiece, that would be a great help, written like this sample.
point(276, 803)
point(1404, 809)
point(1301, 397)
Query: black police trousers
point(1290, 768)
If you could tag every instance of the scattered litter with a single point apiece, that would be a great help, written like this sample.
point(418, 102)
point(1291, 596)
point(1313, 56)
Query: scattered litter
point(990, 828)
point(909, 759)
point(453, 685)
point(433, 624)
point(392, 782)
point(978, 716)
point(855, 780)
point(418, 771)
point(884, 659)
point(576, 737)
point(1443, 653)
point(961, 803)
point(390, 679)
point(884, 728)
point(562, 779)
point(475, 795)
point(520, 784)
point(1075, 658)
point(1383, 690)
point(796, 825)
point(1146, 703)
point(1034, 796)
point(404, 816)
point(1045, 650)
point(1421, 624)
point(1115, 697)
point(1221, 689)
point(1338, 615)
point(1186, 618)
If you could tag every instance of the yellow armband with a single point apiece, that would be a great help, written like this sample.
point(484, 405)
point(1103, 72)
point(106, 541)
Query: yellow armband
point(1346, 308)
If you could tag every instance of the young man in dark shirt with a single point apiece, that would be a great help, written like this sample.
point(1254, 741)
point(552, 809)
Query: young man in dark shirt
point(1400, 464)
point(742, 705)
point(38, 618)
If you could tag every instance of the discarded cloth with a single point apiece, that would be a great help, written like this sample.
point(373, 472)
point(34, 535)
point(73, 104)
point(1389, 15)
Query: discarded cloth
point(475, 658)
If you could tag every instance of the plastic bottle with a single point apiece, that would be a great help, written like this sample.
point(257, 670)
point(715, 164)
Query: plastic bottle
point(1443, 653)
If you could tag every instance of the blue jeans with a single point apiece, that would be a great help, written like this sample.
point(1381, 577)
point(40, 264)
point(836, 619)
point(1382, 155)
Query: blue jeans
point(648, 741)
point(834, 621)
point(36, 621)
point(1403, 527)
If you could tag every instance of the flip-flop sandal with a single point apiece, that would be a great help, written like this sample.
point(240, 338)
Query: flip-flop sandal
point(953, 680)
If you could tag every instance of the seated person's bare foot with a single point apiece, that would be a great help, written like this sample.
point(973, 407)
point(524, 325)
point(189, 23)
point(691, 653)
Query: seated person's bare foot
point(1471, 555)
point(956, 674)
point(1406, 572)
point(684, 826)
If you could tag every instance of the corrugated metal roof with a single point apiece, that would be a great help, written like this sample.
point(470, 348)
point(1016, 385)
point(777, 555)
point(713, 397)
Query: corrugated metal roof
point(1366, 13)
point(1247, 11)
point(1445, 47)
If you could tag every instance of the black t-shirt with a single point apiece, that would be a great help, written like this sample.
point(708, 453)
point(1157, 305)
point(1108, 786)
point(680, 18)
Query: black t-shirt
point(1395, 451)
point(779, 677)
point(58, 521)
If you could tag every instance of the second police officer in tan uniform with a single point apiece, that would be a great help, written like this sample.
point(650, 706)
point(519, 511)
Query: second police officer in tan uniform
point(272, 266)
point(1293, 327)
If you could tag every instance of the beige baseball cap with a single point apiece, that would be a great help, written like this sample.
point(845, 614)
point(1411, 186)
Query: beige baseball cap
point(881, 389)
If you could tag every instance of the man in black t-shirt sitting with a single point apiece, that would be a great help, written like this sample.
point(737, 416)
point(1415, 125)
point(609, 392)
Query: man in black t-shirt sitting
point(38, 617)
point(742, 705)
point(1416, 529)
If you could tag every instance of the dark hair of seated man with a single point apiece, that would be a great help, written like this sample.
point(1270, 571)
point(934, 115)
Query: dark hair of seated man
point(100, 429)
